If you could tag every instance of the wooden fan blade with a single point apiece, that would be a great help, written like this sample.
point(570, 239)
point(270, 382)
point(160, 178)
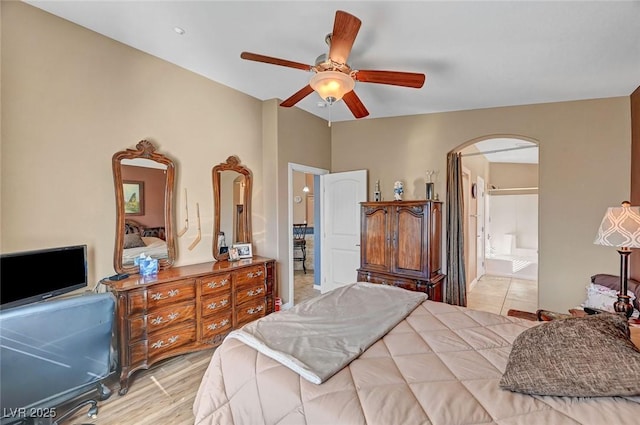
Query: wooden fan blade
point(274, 61)
point(395, 78)
point(297, 96)
point(355, 105)
point(345, 30)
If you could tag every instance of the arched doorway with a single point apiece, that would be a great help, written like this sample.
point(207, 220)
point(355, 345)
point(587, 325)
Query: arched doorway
point(500, 203)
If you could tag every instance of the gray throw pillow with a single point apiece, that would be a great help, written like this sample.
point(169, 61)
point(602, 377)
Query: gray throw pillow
point(133, 240)
point(577, 356)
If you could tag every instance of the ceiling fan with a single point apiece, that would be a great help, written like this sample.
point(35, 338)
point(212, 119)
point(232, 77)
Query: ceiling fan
point(334, 79)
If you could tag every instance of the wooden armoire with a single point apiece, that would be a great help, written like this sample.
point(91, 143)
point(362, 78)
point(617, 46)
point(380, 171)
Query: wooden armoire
point(400, 245)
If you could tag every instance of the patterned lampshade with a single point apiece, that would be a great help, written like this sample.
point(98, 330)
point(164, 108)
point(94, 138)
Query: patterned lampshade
point(620, 227)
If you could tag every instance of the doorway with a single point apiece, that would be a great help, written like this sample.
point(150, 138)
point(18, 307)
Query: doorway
point(304, 208)
point(501, 223)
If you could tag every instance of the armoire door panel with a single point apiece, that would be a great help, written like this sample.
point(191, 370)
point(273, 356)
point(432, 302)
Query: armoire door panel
point(409, 234)
point(435, 242)
point(375, 237)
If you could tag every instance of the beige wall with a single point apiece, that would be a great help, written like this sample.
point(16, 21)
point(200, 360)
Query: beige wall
point(71, 98)
point(510, 175)
point(300, 212)
point(634, 259)
point(476, 165)
point(584, 168)
point(302, 139)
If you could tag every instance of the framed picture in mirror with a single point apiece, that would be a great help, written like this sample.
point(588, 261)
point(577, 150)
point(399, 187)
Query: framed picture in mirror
point(244, 250)
point(133, 197)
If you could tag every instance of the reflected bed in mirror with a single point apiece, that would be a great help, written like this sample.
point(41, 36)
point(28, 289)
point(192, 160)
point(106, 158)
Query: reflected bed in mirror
point(232, 184)
point(139, 239)
point(144, 181)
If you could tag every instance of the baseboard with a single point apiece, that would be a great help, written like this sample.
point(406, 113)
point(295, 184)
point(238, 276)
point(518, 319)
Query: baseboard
point(473, 283)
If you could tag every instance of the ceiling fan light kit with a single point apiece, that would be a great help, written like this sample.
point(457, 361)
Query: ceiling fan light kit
point(332, 85)
point(334, 79)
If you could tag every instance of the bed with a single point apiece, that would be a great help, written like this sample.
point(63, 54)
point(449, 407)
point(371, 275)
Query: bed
point(139, 239)
point(440, 364)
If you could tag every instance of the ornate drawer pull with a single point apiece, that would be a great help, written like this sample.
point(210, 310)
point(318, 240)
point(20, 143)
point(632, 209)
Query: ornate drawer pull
point(159, 319)
point(256, 274)
point(213, 305)
point(255, 310)
point(158, 295)
point(214, 326)
point(161, 343)
point(252, 292)
point(214, 284)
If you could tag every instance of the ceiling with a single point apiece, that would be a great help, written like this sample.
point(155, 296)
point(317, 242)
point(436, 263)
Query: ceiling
point(476, 54)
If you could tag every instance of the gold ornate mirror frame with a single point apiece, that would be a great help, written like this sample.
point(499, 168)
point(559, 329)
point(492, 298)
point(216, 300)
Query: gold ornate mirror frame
point(242, 212)
point(147, 151)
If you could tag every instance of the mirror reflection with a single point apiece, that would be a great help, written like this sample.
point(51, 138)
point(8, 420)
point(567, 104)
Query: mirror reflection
point(144, 195)
point(232, 206)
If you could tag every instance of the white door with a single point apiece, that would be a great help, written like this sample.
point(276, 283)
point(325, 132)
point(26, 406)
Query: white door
point(341, 197)
point(480, 227)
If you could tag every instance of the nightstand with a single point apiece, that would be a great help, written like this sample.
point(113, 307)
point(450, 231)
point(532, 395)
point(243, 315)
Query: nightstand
point(635, 335)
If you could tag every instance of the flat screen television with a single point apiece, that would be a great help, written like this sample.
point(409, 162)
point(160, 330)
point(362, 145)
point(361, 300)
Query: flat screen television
point(31, 276)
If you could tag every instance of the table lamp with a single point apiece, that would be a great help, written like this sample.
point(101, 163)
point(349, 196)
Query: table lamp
point(620, 227)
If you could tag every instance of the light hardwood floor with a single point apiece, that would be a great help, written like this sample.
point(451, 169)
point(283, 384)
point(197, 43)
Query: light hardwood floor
point(164, 395)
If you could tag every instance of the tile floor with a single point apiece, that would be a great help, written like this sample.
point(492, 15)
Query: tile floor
point(497, 294)
point(303, 286)
point(494, 294)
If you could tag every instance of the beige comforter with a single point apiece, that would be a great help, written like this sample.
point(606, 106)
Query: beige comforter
point(319, 337)
point(441, 365)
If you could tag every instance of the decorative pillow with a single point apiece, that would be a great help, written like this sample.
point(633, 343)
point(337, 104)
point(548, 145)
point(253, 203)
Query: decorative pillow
point(613, 282)
point(602, 298)
point(579, 356)
point(133, 240)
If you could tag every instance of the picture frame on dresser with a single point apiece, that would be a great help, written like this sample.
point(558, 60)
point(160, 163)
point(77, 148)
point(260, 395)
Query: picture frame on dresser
point(244, 250)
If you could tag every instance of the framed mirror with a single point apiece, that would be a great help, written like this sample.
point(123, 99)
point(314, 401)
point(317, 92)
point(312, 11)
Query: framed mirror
point(232, 184)
point(144, 187)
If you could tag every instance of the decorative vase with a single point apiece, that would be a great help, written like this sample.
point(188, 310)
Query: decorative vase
point(398, 190)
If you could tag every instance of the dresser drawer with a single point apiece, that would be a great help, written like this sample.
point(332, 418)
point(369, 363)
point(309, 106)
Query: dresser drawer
point(214, 326)
point(216, 304)
point(250, 311)
point(215, 284)
point(162, 344)
point(157, 320)
point(250, 275)
point(161, 295)
point(248, 292)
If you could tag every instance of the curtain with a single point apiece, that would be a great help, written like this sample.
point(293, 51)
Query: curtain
point(456, 288)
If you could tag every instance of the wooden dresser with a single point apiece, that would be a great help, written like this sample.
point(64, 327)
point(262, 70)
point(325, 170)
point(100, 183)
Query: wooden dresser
point(400, 245)
point(188, 308)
